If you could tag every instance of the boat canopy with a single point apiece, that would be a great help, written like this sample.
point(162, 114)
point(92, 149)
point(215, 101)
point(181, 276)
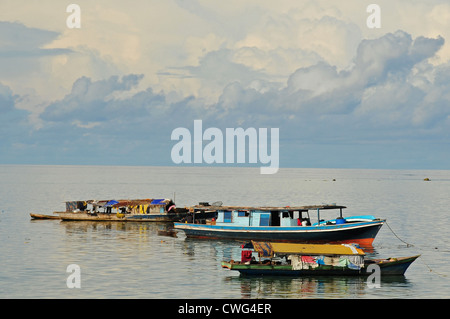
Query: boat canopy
point(268, 208)
point(111, 203)
point(118, 203)
point(267, 249)
point(159, 202)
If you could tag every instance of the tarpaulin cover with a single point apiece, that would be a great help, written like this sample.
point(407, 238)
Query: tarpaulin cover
point(157, 201)
point(111, 202)
point(264, 249)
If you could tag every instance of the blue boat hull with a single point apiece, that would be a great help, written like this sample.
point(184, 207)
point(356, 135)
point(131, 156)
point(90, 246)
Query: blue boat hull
point(362, 233)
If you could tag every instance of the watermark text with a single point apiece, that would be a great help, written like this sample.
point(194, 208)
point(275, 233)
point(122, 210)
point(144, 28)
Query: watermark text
point(74, 279)
point(223, 149)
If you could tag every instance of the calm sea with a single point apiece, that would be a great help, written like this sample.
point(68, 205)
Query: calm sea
point(131, 260)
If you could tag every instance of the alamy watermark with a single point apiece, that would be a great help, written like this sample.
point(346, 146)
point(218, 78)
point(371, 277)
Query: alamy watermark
point(73, 21)
point(222, 151)
point(374, 19)
point(74, 279)
point(373, 280)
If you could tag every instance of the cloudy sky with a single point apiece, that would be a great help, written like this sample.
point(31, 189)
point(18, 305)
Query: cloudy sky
point(111, 92)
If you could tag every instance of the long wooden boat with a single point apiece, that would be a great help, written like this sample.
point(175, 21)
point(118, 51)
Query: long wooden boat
point(281, 224)
point(289, 259)
point(142, 210)
point(43, 216)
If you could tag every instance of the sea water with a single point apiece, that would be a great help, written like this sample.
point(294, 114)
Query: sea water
point(132, 260)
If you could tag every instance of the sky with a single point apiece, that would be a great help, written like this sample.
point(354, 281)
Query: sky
point(343, 94)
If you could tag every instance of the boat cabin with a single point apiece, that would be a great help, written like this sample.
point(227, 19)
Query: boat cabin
point(273, 216)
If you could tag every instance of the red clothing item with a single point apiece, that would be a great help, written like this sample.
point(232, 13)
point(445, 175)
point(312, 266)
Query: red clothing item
point(246, 255)
point(308, 259)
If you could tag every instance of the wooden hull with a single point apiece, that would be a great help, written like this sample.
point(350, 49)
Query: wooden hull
point(388, 267)
point(67, 216)
point(361, 233)
point(42, 216)
point(395, 266)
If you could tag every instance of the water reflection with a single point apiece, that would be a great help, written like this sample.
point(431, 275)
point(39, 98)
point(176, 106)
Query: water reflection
point(306, 287)
point(300, 287)
point(213, 252)
point(144, 229)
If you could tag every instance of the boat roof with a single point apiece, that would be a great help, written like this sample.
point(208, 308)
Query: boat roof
point(269, 248)
point(268, 208)
point(125, 202)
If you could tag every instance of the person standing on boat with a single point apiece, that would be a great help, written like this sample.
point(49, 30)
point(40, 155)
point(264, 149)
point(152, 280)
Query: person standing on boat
point(246, 254)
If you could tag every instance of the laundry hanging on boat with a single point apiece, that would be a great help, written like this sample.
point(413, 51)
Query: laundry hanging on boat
point(296, 262)
point(302, 262)
point(357, 260)
point(331, 261)
point(309, 262)
point(308, 259)
point(352, 262)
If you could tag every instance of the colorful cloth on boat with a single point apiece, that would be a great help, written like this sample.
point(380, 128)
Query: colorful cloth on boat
point(264, 249)
point(296, 262)
point(246, 255)
point(302, 262)
point(343, 262)
point(319, 260)
point(331, 261)
point(355, 262)
point(308, 259)
point(351, 262)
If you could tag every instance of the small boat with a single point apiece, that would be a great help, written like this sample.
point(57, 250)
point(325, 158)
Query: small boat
point(142, 210)
point(43, 216)
point(290, 259)
point(281, 224)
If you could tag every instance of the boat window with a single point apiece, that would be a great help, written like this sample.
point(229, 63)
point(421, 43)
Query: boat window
point(227, 216)
point(264, 220)
point(243, 213)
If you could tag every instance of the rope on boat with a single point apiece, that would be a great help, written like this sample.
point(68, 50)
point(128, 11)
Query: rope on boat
point(407, 244)
point(431, 270)
point(410, 245)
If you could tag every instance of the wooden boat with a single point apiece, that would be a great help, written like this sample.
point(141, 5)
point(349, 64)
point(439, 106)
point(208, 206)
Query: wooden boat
point(142, 210)
point(290, 259)
point(281, 224)
point(42, 216)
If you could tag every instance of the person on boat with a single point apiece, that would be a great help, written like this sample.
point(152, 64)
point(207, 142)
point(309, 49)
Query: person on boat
point(246, 255)
point(303, 222)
